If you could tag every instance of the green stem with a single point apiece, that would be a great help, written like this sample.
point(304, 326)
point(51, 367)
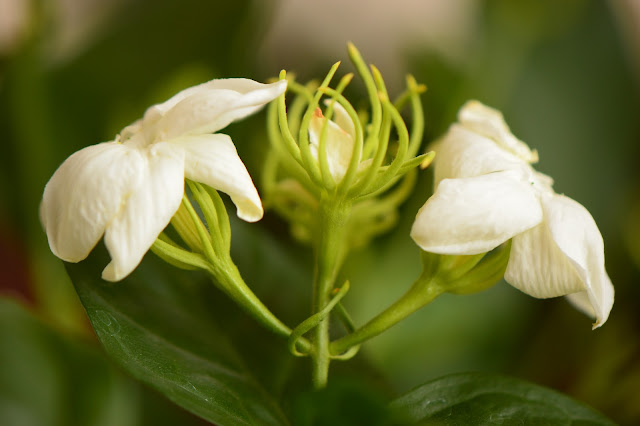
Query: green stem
point(420, 294)
point(329, 255)
point(231, 282)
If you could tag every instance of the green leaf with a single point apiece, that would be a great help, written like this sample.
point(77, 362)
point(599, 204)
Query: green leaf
point(478, 398)
point(159, 328)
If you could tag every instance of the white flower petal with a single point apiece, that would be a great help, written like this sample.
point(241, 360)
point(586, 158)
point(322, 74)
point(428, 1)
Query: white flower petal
point(463, 153)
point(542, 182)
point(475, 215)
point(213, 160)
point(539, 268)
point(213, 107)
point(339, 144)
point(130, 131)
point(577, 235)
point(147, 210)
point(85, 194)
point(489, 122)
point(563, 256)
point(240, 85)
point(341, 118)
point(164, 107)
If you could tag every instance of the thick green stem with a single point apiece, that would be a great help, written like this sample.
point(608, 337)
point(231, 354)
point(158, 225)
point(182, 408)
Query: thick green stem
point(419, 295)
point(329, 255)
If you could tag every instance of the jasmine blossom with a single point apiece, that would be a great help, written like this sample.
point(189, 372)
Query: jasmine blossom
point(486, 192)
point(129, 189)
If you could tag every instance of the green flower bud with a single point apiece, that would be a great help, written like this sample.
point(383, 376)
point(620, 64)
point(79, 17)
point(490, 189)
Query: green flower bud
point(326, 151)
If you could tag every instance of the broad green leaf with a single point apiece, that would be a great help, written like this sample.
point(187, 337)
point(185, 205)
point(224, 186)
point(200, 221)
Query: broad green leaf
point(478, 398)
point(48, 379)
point(157, 325)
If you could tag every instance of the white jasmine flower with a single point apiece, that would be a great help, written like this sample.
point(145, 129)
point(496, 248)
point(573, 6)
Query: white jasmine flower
point(487, 193)
point(129, 189)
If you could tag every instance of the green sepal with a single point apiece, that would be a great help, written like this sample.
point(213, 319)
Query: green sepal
point(175, 255)
point(466, 274)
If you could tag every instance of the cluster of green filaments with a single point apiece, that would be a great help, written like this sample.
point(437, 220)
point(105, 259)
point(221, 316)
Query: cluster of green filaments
point(381, 171)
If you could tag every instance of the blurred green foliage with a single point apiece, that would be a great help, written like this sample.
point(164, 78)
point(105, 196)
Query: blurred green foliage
point(560, 74)
point(48, 378)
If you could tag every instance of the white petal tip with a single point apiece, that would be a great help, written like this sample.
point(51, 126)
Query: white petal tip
point(251, 215)
point(112, 274)
point(534, 158)
point(599, 322)
point(60, 254)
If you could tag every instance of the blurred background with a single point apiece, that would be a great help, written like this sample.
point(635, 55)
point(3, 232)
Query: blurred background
point(565, 74)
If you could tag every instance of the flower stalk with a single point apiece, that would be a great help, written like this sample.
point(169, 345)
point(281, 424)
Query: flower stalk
point(421, 293)
point(340, 182)
point(329, 256)
point(440, 274)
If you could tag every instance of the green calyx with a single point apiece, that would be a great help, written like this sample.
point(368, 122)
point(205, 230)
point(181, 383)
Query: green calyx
point(208, 244)
point(208, 241)
point(460, 274)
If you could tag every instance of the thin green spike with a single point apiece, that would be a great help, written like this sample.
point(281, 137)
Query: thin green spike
point(310, 163)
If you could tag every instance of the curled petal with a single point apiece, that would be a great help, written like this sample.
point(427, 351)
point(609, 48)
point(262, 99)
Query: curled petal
point(577, 235)
point(147, 210)
point(582, 301)
point(463, 153)
point(213, 160)
point(490, 123)
point(475, 215)
point(212, 106)
point(339, 144)
point(563, 256)
point(85, 194)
